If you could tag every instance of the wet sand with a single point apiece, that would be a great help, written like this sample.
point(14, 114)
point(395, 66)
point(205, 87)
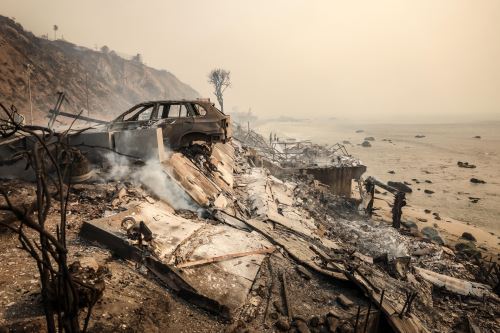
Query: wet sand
point(431, 160)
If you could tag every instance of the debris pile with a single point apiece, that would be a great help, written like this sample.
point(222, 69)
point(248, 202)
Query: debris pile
point(258, 248)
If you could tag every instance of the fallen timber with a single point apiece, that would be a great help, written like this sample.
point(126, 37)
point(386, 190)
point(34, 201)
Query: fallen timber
point(458, 286)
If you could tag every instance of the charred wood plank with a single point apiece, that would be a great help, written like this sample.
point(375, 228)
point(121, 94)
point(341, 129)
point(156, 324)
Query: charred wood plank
point(224, 257)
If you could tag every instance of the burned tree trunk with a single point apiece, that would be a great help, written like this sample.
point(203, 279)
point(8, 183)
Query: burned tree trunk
point(370, 188)
point(399, 203)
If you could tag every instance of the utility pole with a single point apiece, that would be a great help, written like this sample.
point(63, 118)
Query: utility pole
point(87, 92)
point(29, 69)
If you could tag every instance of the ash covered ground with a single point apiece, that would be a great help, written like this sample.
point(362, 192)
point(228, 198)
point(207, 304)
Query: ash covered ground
point(327, 273)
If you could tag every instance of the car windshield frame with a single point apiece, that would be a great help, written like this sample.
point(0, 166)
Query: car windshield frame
point(138, 109)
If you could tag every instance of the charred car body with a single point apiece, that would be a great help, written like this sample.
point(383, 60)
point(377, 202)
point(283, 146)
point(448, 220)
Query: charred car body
point(182, 121)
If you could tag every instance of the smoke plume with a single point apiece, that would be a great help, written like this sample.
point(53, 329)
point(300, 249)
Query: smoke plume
point(153, 177)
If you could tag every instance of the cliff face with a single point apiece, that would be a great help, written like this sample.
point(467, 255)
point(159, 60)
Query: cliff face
point(110, 83)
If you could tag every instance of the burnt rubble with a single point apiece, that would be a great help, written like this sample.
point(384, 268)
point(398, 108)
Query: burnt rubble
point(252, 236)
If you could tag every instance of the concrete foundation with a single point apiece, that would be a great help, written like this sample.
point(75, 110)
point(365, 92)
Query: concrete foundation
point(92, 144)
point(141, 143)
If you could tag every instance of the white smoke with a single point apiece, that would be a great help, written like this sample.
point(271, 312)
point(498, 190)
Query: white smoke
point(153, 177)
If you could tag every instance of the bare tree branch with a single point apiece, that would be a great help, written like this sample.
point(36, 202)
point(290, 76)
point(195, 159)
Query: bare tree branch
point(221, 80)
point(49, 151)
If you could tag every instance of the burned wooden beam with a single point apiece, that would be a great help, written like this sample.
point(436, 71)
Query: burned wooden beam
point(287, 299)
point(399, 199)
point(270, 291)
point(224, 257)
point(382, 185)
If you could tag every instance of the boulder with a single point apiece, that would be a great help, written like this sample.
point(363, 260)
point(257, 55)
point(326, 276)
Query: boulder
point(477, 181)
point(468, 236)
point(468, 249)
point(465, 165)
point(433, 235)
point(369, 138)
point(474, 200)
point(366, 144)
point(409, 224)
point(426, 191)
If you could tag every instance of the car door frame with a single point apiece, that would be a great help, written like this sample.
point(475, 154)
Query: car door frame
point(123, 125)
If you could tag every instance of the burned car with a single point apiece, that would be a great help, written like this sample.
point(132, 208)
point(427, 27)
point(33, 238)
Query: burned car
point(183, 121)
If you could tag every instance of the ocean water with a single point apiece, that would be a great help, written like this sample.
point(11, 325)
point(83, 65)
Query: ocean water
point(433, 158)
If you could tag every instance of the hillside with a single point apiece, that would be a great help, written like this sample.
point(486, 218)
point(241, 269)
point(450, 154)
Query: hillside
point(112, 83)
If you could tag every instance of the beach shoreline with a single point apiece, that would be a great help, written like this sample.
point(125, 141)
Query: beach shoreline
point(428, 164)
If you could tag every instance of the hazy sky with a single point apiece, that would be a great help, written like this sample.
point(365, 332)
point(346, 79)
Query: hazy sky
point(419, 60)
